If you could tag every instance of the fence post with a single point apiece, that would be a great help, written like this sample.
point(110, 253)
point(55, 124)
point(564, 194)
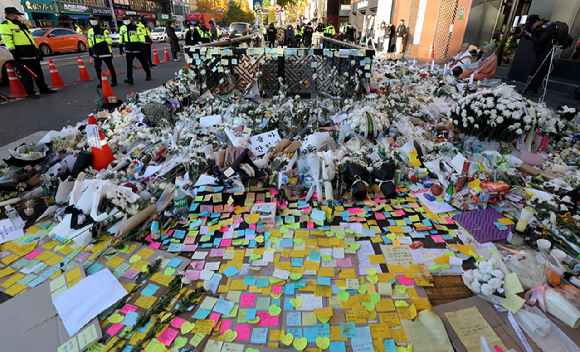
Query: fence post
point(281, 71)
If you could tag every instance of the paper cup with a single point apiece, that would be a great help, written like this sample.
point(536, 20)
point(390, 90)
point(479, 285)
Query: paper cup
point(559, 254)
point(543, 245)
point(527, 213)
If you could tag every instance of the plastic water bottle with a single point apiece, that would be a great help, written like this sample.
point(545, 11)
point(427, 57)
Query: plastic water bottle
point(180, 202)
point(483, 200)
point(155, 230)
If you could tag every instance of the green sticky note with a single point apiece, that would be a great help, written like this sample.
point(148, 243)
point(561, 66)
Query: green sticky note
point(199, 199)
point(434, 267)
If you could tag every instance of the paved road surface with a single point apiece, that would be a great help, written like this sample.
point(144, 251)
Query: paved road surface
point(72, 104)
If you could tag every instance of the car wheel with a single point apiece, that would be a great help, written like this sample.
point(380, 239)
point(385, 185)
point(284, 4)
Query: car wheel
point(45, 49)
point(82, 47)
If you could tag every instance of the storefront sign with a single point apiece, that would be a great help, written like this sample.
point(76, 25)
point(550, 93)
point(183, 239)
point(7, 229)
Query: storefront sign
point(74, 7)
point(163, 17)
point(147, 15)
point(130, 13)
point(361, 4)
point(119, 13)
point(461, 13)
point(121, 6)
point(102, 11)
point(38, 7)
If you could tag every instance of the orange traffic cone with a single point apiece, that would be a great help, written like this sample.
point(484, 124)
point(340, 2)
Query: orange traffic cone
point(55, 77)
point(109, 72)
point(84, 75)
point(431, 50)
point(155, 57)
point(107, 90)
point(102, 154)
point(16, 88)
point(166, 58)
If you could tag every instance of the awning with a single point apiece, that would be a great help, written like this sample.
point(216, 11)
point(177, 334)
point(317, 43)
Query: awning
point(77, 17)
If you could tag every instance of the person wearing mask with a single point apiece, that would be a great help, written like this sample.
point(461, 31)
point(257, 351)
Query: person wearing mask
point(401, 36)
point(329, 31)
point(392, 32)
point(458, 63)
point(148, 42)
point(382, 37)
point(271, 35)
point(542, 33)
point(78, 29)
point(484, 67)
point(173, 40)
point(214, 32)
point(308, 32)
point(289, 36)
point(349, 33)
point(370, 32)
point(100, 49)
point(131, 42)
point(298, 31)
point(192, 36)
point(204, 33)
point(27, 57)
point(320, 27)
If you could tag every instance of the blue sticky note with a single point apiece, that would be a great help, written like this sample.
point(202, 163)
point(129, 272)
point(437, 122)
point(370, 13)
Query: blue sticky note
point(337, 346)
point(289, 289)
point(231, 271)
point(386, 240)
point(201, 313)
point(415, 234)
point(259, 336)
point(500, 226)
point(262, 283)
point(249, 280)
point(297, 262)
point(294, 319)
point(287, 305)
point(130, 319)
point(194, 225)
point(389, 345)
point(314, 256)
point(174, 263)
point(93, 269)
point(322, 330)
point(427, 222)
point(193, 206)
point(150, 290)
point(296, 332)
point(448, 237)
point(323, 281)
point(175, 247)
point(351, 333)
point(289, 219)
point(318, 215)
point(145, 327)
point(310, 334)
point(179, 234)
point(251, 314)
point(223, 307)
point(368, 233)
point(218, 189)
point(300, 283)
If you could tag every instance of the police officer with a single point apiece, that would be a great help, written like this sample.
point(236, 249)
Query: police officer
point(308, 31)
point(192, 36)
point(100, 49)
point(298, 32)
point(204, 33)
point(329, 30)
point(131, 41)
point(147, 47)
point(18, 40)
point(272, 32)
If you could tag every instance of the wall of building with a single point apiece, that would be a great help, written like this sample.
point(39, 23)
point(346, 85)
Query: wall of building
point(459, 25)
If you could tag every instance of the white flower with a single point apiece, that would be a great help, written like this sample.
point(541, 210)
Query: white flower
point(476, 126)
point(477, 276)
point(486, 289)
point(486, 277)
point(495, 283)
point(498, 274)
point(499, 119)
point(468, 275)
point(519, 131)
point(475, 287)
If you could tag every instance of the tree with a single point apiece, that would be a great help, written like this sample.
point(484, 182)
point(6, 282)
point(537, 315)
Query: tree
point(221, 5)
point(248, 14)
point(295, 10)
point(205, 6)
point(235, 13)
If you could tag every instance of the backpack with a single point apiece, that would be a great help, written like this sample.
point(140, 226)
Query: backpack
point(563, 38)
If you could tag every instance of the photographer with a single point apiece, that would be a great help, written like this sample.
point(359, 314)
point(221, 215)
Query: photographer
point(541, 32)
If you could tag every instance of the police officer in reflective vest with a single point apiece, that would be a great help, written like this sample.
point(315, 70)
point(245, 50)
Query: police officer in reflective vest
point(147, 47)
point(131, 41)
point(204, 33)
point(192, 36)
point(329, 30)
point(18, 40)
point(100, 49)
point(298, 32)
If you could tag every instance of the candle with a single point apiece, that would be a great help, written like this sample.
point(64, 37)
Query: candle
point(432, 65)
point(526, 216)
point(29, 211)
point(29, 207)
point(471, 79)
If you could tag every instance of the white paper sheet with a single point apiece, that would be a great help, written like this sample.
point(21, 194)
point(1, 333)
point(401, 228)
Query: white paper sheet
point(87, 299)
point(435, 206)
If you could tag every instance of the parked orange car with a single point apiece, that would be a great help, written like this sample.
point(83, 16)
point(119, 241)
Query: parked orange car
point(54, 40)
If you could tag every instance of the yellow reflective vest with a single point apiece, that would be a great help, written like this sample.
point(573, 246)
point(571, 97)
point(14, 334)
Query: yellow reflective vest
point(146, 32)
point(17, 37)
point(330, 30)
point(131, 36)
point(100, 42)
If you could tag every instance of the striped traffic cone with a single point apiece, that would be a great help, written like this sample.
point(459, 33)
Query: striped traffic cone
point(102, 154)
point(84, 75)
point(155, 57)
point(109, 72)
point(166, 55)
point(16, 88)
point(431, 53)
point(55, 77)
point(107, 90)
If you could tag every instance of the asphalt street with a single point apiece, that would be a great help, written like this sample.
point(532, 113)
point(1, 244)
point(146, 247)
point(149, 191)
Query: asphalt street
point(70, 105)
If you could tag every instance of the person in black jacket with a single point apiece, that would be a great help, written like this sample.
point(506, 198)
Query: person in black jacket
point(192, 36)
point(174, 40)
point(308, 31)
point(542, 33)
point(272, 32)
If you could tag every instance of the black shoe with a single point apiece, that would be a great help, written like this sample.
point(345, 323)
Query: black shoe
point(48, 91)
point(128, 81)
point(148, 78)
point(114, 84)
point(100, 85)
point(152, 65)
point(32, 96)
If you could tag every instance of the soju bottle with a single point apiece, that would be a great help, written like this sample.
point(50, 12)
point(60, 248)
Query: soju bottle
point(180, 202)
point(449, 192)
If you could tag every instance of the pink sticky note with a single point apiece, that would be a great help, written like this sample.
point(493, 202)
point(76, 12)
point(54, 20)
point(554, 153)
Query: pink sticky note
point(344, 263)
point(225, 229)
point(497, 348)
point(310, 225)
point(130, 273)
point(437, 239)
point(217, 252)
point(198, 265)
point(273, 192)
point(189, 248)
point(177, 322)
point(170, 232)
point(215, 317)
point(208, 208)
point(167, 336)
point(148, 238)
point(243, 331)
point(400, 212)
point(33, 254)
point(82, 257)
point(353, 211)
point(155, 245)
point(128, 308)
point(307, 209)
point(405, 281)
point(247, 300)
point(192, 275)
point(379, 216)
point(226, 324)
point(226, 243)
point(114, 329)
point(449, 221)
point(252, 226)
point(277, 289)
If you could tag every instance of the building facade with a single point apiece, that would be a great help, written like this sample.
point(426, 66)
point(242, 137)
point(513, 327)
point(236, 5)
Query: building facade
point(41, 13)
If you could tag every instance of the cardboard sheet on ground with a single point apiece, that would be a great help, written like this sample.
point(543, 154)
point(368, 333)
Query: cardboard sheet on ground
point(87, 299)
point(36, 325)
point(427, 333)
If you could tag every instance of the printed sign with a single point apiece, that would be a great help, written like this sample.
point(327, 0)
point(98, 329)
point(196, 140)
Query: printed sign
point(259, 144)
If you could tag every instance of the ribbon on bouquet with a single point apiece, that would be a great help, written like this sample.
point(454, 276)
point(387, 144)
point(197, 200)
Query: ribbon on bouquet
point(538, 294)
point(380, 182)
point(358, 179)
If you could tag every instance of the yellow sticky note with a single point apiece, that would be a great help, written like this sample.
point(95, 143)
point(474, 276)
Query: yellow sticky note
point(415, 162)
point(413, 154)
point(473, 184)
point(506, 221)
point(254, 218)
point(513, 303)
point(512, 284)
